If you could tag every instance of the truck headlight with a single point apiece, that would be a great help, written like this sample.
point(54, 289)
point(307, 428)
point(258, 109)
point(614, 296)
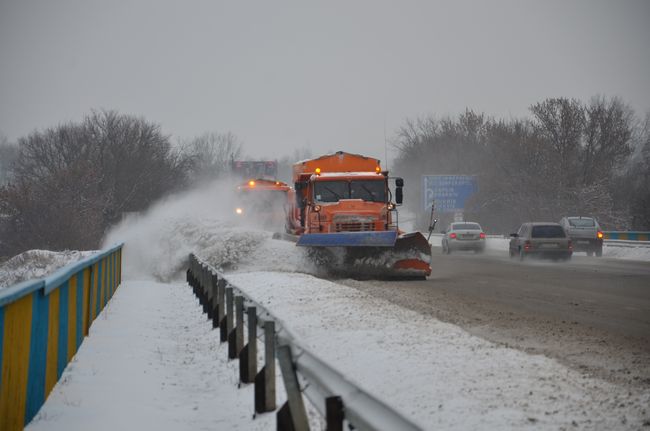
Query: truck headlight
point(239, 211)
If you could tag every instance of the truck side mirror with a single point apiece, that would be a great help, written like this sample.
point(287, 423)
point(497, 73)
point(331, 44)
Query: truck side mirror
point(300, 203)
point(399, 196)
point(399, 182)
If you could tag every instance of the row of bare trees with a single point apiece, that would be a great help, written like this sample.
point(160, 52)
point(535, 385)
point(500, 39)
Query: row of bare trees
point(63, 187)
point(567, 158)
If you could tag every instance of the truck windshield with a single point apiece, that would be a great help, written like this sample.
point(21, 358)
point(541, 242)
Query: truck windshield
point(333, 191)
point(260, 199)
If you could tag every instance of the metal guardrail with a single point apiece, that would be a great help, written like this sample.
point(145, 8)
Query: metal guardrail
point(626, 243)
point(42, 324)
point(334, 396)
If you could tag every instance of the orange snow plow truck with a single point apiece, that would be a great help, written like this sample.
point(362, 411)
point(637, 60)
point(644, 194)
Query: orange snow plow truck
point(341, 208)
point(262, 202)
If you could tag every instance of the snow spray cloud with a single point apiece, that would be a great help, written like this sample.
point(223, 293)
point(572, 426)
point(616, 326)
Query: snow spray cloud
point(200, 221)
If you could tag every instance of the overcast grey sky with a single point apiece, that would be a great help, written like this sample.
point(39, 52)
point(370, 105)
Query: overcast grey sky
point(283, 75)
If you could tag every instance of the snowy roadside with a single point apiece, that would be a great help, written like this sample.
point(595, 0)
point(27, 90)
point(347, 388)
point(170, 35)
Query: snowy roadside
point(434, 372)
point(34, 264)
point(152, 361)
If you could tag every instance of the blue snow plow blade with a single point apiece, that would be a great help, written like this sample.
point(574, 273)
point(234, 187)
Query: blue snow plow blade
point(349, 239)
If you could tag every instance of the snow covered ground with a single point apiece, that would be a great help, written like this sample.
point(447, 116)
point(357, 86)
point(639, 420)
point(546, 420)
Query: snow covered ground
point(434, 372)
point(34, 264)
point(152, 360)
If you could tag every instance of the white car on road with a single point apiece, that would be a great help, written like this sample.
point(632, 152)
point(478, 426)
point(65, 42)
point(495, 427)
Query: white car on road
point(463, 236)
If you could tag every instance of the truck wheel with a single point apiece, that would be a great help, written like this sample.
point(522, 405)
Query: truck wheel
point(599, 252)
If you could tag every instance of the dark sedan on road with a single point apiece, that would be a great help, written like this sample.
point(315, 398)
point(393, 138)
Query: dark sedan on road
point(541, 240)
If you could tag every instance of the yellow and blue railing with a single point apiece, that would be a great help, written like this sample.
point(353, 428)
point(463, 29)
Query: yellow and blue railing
point(629, 236)
point(42, 324)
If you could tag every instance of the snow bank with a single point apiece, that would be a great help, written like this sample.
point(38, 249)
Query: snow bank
point(201, 221)
point(35, 264)
point(434, 372)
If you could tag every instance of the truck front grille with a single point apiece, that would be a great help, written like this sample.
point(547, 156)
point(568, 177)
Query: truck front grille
point(354, 227)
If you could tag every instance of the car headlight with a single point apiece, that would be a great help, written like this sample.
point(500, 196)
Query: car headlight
point(239, 211)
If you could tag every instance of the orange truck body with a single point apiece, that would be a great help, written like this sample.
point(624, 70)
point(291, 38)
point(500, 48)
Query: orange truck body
point(262, 202)
point(343, 200)
point(338, 166)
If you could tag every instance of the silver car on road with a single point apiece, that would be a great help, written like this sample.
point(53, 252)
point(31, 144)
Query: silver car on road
point(541, 240)
point(463, 236)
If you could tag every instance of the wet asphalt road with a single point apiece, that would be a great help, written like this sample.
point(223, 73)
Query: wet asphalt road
point(609, 294)
point(593, 314)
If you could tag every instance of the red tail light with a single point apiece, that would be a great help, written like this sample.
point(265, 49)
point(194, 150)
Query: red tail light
point(527, 245)
point(482, 235)
point(452, 235)
point(600, 235)
point(570, 245)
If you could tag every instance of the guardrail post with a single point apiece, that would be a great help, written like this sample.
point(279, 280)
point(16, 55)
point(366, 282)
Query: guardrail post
point(195, 278)
point(188, 273)
point(334, 414)
point(292, 415)
point(229, 323)
point(204, 287)
point(221, 293)
point(199, 282)
point(192, 273)
point(214, 306)
point(236, 339)
point(248, 355)
point(210, 293)
point(239, 329)
point(265, 379)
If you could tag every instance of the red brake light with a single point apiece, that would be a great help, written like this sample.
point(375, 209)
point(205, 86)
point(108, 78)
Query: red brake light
point(452, 235)
point(570, 245)
point(600, 235)
point(482, 235)
point(527, 245)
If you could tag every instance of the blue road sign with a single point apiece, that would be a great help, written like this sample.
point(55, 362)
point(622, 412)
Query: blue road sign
point(448, 191)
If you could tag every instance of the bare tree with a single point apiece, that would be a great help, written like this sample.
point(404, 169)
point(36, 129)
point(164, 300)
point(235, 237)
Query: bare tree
point(73, 181)
point(8, 155)
point(566, 159)
point(608, 133)
point(210, 154)
point(560, 121)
